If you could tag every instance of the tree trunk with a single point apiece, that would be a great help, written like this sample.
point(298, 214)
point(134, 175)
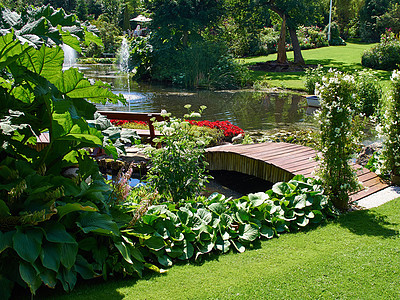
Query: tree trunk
point(298, 57)
point(282, 58)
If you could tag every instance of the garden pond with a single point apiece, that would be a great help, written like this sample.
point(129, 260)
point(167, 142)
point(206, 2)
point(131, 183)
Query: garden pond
point(250, 110)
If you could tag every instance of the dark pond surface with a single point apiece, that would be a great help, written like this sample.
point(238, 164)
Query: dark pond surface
point(247, 109)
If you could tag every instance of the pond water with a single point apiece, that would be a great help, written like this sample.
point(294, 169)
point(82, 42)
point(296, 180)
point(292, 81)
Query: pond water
point(247, 109)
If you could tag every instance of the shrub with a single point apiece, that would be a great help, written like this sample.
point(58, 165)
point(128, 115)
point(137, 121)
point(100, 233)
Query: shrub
point(338, 137)
point(313, 76)
point(385, 55)
point(368, 92)
point(311, 37)
point(177, 169)
point(336, 40)
point(390, 129)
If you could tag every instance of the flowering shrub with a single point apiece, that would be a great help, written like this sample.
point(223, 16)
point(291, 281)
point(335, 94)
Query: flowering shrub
point(177, 169)
point(385, 55)
point(313, 76)
point(390, 130)
point(338, 137)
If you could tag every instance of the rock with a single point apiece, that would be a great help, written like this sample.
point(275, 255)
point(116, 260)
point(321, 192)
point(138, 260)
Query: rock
point(367, 152)
point(237, 139)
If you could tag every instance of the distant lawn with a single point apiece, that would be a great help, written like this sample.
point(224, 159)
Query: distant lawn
point(345, 58)
point(356, 256)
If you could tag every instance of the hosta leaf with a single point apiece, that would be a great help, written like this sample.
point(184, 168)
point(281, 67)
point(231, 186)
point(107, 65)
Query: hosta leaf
point(248, 232)
point(97, 223)
point(4, 210)
point(6, 287)
point(68, 254)
point(205, 247)
point(188, 250)
point(67, 279)
point(83, 267)
point(204, 215)
point(49, 278)
point(165, 260)
point(223, 245)
point(217, 208)
point(216, 197)
point(56, 233)
point(302, 221)
point(238, 246)
point(124, 250)
point(174, 251)
point(6, 240)
point(149, 219)
point(155, 243)
point(267, 232)
point(283, 188)
point(242, 216)
point(154, 268)
point(28, 244)
point(310, 215)
point(300, 201)
point(50, 256)
point(136, 254)
point(318, 216)
point(71, 207)
point(258, 198)
point(30, 276)
point(88, 244)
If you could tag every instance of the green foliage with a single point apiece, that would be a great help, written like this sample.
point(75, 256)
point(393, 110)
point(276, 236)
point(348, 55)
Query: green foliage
point(336, 40)
point(385, 55)
point(313, 76)
point(390, 129)
point(177, 169)
point(368, 93)
point(43, 215)
point(339, 136)
point(169, 233)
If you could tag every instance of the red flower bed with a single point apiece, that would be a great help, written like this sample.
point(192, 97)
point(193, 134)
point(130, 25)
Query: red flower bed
point(122, 122)
point(226, 127)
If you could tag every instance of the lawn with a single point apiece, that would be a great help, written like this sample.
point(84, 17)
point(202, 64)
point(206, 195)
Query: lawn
point(356, 256)
point(345, 58)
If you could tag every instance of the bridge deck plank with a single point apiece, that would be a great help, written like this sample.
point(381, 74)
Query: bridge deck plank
point(295, 159)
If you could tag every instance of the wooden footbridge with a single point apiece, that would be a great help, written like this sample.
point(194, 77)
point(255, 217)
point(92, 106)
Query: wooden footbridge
point(276, 162)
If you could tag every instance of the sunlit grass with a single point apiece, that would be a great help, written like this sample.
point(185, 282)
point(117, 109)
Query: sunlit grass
point(353, 257)
point(344, 58)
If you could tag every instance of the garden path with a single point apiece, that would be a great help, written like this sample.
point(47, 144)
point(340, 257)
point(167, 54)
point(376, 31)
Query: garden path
point(280, 162)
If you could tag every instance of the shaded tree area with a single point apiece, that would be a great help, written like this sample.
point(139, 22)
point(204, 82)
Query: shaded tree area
point(293, 13)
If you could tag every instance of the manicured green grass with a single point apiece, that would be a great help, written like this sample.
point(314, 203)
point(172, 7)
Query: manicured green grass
point(345, 58)
point(356, 256)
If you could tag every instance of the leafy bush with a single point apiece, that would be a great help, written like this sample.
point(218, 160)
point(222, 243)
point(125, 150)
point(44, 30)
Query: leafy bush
point(385, 55)
point(338, 137)
point(311, 37)
point(390, 130)
point(313, 76)
point(336, 40)
point(53, 228)
point(368, 92)
point(177, 169)
point(189, 230)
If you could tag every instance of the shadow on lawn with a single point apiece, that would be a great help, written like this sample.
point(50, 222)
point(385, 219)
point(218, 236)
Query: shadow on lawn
point(367, 222)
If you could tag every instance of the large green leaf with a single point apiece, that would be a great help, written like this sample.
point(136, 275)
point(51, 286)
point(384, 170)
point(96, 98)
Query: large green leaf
point(68, 255)
point(83, 267)
point(6, 240)
point(165, 260)
point(238, 246)
point(248, 232)
point(258, 198)
point(267, 232)
point(71, 207)
point(6, 287)
point(283, 188)
point(124, 250)
point(75, 85)
point(97, 223)
point(56, 233)
point(188, 250)
point(50, 256)
point(30, 276)
point(28, 244)
point(155, 243)
point(67, 278)
point(10, 50)
point(49, 278)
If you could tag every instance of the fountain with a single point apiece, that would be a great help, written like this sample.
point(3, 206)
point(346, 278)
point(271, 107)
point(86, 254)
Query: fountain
point(70, 57)
point(124, 53)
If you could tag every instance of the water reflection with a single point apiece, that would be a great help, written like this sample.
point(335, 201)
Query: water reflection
point(246, 109)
